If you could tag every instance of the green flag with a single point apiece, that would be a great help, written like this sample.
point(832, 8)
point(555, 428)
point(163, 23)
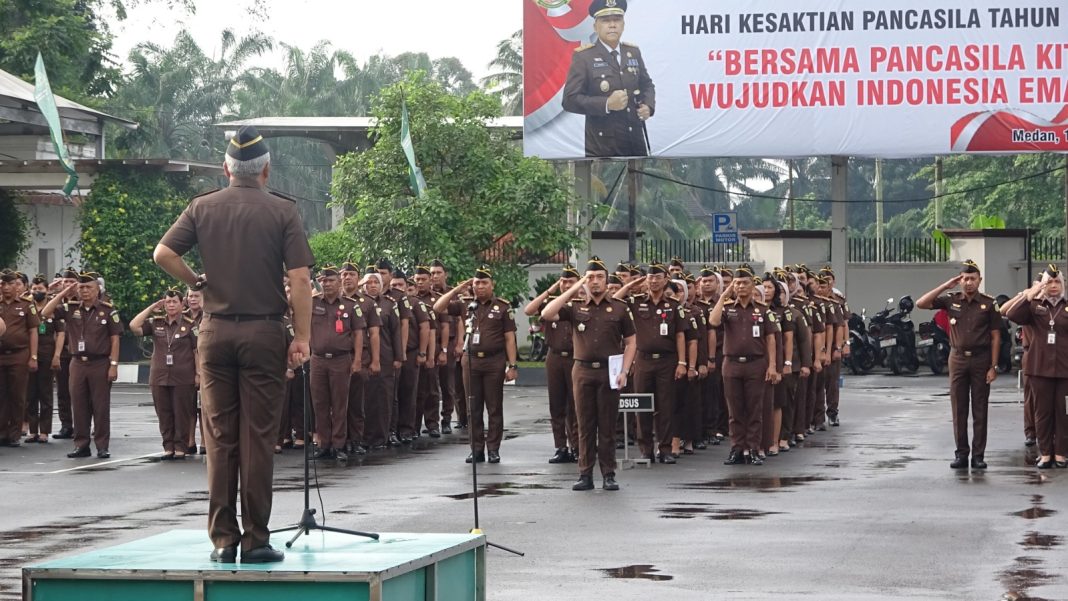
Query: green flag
point(414, 173)
point(42, 93)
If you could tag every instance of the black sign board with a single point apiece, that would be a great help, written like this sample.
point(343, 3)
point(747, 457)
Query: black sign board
point(636, 403)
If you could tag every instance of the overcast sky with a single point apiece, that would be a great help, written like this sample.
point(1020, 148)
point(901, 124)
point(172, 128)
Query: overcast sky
point(466, 29)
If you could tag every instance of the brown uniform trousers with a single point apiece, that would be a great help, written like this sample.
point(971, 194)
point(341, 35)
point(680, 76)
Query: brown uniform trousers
point(175, 409)
point(658, 377)
point(719, 416)
point(461, 394)
point(833, 391)
point(743, 386)
point(429, 397)
point(967, 380)
point(558, 369)
point(818, 415)
point(330, 382)
point(291, 425)
point(686, 420)
point(378, 404)
point(243, 385)
point(485, 390)
point(447, 381)
point(14, 374)
point(90, 392)
point(596, 408)
point(1051, 423)
point(408, 396)
point(39, 396)
point(1028, 408)
point(63, 409)
point(357, 422)
point(792, 383)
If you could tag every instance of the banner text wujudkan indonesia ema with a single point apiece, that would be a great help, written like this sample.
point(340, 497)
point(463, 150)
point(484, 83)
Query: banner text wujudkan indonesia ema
point(953, 63)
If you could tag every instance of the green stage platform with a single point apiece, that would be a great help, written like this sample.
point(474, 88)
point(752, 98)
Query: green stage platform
point(174, 566)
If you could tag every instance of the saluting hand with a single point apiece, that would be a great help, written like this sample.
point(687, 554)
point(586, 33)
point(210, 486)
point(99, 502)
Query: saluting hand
point(952, 282)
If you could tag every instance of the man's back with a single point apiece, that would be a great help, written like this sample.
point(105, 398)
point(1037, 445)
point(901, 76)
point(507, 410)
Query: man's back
point(246, 238)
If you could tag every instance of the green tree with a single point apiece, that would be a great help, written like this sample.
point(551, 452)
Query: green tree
point(125, 215)
point(14, 230)
point(486, 202)
point(506, 80)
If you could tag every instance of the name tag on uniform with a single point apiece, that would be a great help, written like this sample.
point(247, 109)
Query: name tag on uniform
point(663, 329)
point(756, 331)
point(170, 359)
point(1051, 338)
point(476, 337)
point(81, 346)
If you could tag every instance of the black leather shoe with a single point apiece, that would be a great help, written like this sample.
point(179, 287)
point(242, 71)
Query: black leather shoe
point(1030, 442)
point(13, 444)
point(1060, 464)
point(358, 449)
point(494, 457)
point(393, 441)
point(573, 455)
point(834, 421)
point(610, 482)
point(754, 458)
point(103, 454)
point(446, 429)
point(619, 445)
point(735, 458)
point(264, 554)
point(476, 457)
point(561, 456)
point(224, 554)
point(821, 428)
point(435, 433)
point(203, 451)
point(324, 454)
point(978, 463)
point(79, 453)
point(584, 483)
point(700, 445)
point(959, 463)
point(64, 433)
point(341, 456)
point(715, 442)
point(1044, 465)
point(667, 458)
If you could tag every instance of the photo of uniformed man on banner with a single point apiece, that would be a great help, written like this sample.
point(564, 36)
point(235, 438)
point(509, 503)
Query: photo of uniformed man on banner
point(608, 83)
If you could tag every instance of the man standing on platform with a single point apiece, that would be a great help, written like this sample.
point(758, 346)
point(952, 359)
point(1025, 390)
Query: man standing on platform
point(246, 237)
point(975, 336)
point(603, 327)
point(490, 360)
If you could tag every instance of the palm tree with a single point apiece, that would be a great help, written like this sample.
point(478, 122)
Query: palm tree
point(507, 80)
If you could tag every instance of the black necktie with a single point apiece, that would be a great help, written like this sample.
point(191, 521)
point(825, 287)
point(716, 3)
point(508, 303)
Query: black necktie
point(615, 59)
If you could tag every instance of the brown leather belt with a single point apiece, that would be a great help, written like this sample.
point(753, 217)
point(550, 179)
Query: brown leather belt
point(593, 364)
point(331, 355)
point(564, 354)
point(972, 353)
point(744, 358)
point(87, 358)
point(655, 356)
point(12, 351)
point(486, 354)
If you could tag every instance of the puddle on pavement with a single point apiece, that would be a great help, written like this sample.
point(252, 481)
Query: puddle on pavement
point(757, 483)
point(1037, 511)
point(643, 571)
point(689, 511)
point(500, 489)
point(1037, 540)
point(895, 464)
point(1026, 573)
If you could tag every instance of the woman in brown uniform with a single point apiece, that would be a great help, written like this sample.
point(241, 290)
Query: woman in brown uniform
point(775, 396)
point(1044, 307)
point(173, 374)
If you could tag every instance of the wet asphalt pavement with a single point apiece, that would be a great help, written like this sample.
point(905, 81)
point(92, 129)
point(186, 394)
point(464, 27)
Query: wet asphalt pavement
point(870, 510)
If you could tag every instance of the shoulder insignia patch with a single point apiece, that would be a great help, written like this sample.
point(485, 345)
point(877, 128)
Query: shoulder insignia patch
point(212, 191)
point(583, 47)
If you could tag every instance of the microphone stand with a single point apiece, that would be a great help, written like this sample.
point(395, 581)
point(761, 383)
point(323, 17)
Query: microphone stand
point(307, 521)
point(465, 364)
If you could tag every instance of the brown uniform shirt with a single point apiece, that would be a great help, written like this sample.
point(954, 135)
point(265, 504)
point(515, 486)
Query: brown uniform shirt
point(332, 325)
point(558, 334)
point(372, 313)
point(744, 329)
point(420, 314)
point(599, 328)
point(799, 314)
point(404, 305)
point(657, 323)
point(490, 321)
point(46, 335)
point(21, 318)
point(179, 341)
point(1047, 357)
point(246, 237)
point(971, 322)
point(785, 318)
point(389, 336)
point(89, 330)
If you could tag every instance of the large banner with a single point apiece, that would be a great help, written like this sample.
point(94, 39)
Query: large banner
point(792, 78)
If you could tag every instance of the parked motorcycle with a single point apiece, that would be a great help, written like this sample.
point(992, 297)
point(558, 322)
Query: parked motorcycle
point(1017, 348)
point(933, 347)
point(863, 351)
point(899, 339)
point(538, 347)
point(875, 332)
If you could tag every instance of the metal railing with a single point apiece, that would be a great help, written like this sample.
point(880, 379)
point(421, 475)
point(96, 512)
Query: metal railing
point(1047, 248)
point(897, 250)
point(693, 251)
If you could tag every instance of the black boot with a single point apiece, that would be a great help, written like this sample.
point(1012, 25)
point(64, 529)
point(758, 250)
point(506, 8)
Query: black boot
point(960, 463)
point(561, 456)
point(584, 483)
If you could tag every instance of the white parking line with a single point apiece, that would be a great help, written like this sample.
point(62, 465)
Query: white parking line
point(87, 466)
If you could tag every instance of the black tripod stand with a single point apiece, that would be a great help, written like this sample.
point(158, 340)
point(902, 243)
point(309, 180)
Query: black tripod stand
point(307, 521)
point(465, 368)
